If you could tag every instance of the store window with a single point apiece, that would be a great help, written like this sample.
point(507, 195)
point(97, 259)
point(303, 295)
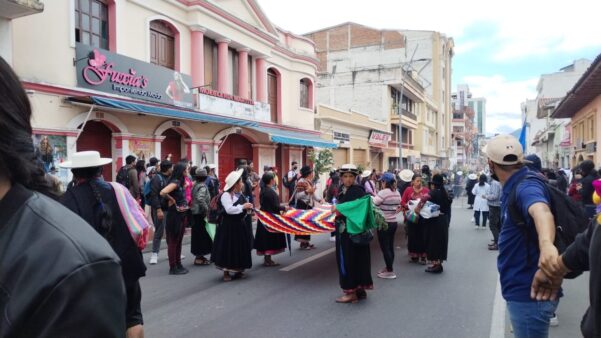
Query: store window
point(92, 23)
point(162, 44)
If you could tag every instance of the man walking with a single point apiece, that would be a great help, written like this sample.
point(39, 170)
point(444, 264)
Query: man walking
point(159, 207)
point(291, 177)
point(128, 176)
point(493, 196)
point(522, 247)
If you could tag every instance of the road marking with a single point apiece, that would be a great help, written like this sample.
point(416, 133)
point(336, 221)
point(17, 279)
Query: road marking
point(497, 322)
point(307, 260)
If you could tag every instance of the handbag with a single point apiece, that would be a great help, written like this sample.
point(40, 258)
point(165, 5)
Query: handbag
point(132, 213)
point(363, 238)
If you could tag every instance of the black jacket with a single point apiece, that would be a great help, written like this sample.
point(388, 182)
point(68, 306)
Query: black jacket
point(587, 189)
point(58, 277)
point(158, 182)
point(585, 255)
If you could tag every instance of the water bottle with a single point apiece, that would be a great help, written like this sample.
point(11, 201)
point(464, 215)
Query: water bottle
point(334, 200)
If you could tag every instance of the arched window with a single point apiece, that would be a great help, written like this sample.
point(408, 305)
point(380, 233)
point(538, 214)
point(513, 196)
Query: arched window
point(306, 93)
point(164, 44)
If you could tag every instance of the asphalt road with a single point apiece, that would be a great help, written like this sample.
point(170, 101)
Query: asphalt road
point(296, 299)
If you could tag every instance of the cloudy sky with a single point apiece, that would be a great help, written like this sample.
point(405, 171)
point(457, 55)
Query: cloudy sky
point(502, 47)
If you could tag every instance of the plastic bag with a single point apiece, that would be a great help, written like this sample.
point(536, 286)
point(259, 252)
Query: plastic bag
point(430, 210)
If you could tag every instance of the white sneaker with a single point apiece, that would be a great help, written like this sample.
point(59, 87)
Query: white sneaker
point(387, 275)
point(554, 320)
point(182, 257)
point(154, 258)
point(333, 239)
point(476, 227)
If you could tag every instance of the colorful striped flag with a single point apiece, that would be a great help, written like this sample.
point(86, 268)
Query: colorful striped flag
point(300, 222)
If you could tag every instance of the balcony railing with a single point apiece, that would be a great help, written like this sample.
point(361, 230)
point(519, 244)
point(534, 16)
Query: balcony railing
point(406, 113)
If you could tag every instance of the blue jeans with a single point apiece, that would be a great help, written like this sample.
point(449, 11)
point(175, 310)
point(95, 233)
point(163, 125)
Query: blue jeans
point(531, 319)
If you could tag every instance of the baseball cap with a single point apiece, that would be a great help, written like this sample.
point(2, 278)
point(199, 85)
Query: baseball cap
point(505, 150)
point(387, 177)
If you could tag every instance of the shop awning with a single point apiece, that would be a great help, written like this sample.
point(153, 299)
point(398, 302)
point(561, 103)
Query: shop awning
point(295, 138)
point(169, 112)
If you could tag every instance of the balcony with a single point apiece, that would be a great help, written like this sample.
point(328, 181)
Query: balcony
point(394, 111)
point(12, 9)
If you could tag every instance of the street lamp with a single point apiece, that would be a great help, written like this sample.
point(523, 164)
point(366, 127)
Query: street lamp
point(400, 111)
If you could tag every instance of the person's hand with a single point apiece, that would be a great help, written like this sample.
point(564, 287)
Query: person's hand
point(544, 288)
point(333, 208)
point(548, 260)
point(160, 214)
point(247, 206)
point(310, 190)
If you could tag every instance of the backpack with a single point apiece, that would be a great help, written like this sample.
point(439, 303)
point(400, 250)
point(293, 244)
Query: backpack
point(569, 217)
point(216, 210)
point(147, 190)
point(289, 183)
point(123, 176)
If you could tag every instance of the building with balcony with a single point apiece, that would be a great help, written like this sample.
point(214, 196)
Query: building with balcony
point(210, 81)
point(466, 140)
point(9, 10)
point(582, 104)
point(368, 70)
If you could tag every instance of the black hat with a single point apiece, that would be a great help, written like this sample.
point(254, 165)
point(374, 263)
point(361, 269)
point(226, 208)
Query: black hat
point(438, 180)
point(153, 161)
point(306, 170)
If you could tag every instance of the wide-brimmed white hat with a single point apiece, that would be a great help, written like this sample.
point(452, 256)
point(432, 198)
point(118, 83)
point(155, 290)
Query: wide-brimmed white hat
point(348, 168)
point(472, 176)
point(460, 173)
point(232, 178)
point(406, 175)
point(86, 159)
point(366, 173)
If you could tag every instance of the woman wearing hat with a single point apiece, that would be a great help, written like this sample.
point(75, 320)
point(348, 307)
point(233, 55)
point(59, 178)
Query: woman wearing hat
point(416, 235)
point(354, 261)
point(268, 243)
point(472, 179)
point(232, 246)
point(304, 198)
point(94, 200)
point(368, 181)
point(388, 200)
point(201, 243)
point(437, 239)
point(405, 176)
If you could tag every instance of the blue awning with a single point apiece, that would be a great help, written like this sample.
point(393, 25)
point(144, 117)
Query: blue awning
point(295, 138)
point(179, 113)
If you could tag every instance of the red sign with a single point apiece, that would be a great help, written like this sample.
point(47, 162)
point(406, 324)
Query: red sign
point(379, 139)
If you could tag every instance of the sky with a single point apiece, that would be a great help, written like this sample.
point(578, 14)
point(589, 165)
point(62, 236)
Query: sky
point(501, 47)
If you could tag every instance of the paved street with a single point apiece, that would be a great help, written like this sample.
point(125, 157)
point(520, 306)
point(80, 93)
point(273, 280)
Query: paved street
point(296, 299)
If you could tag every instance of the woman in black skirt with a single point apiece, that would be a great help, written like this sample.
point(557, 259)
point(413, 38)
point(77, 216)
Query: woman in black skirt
point(354, 266)
point(269, 243)
point(437, 228)
point(201, 243)
point(232, 246)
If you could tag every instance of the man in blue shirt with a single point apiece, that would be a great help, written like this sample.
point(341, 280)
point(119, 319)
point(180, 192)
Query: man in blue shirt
point(522, 250)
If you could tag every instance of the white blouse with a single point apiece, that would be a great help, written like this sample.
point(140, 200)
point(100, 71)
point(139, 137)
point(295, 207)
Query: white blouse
point(228, 200)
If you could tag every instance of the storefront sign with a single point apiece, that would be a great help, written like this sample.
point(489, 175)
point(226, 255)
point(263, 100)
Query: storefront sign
point(378, 139)
point(342, 137)
point(102, 70)
point(211, 101)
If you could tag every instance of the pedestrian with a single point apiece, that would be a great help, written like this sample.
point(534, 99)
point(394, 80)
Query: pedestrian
point(437, 228)
point(141, 170)
point(128, 176)
point(405, 176)
point(59, 277)
point(493, 197)
point(160, 207)
point(416, 235)
point(46, 153)
point(201, 243)
point(368, 182)
point(152, 167)
point(426, 175)
point(290, 179)
point(354, 266)
point(573, 190)
point(480, 202)
point(268, 243)
point(212, 180)
point(232, 247)
point(471, 182)
point(562, 181)
point(517, 259)
point(388, 200)
point(304, 198)
point(589, 174)
point(177, 206)
point(94, 200)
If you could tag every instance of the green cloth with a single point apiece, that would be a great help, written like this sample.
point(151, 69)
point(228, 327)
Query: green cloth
point(359, 215)
point(211, 228)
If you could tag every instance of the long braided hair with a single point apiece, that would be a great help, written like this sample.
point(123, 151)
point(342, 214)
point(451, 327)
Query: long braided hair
point(87, 176)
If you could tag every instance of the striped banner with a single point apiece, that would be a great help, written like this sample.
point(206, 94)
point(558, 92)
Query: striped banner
point(300, 222)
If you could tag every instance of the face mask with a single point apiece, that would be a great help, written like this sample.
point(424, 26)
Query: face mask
point(492, 171)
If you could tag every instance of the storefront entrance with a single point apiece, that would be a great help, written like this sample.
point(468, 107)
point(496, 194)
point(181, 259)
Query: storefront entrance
point(172, 144)
point(96, 136)
point(235, 148)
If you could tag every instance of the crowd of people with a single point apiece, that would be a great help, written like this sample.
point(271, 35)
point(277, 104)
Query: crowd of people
point(90, 286)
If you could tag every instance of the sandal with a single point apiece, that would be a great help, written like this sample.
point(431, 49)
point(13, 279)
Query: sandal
point(239, 275)
point(269, 264)
point(202, 261)
point(227, 278)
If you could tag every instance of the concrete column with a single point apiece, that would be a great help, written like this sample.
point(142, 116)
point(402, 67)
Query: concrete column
point(222, 65)
point(261, 72)
point(243, 73)
point(6, 46)
point(198, 59)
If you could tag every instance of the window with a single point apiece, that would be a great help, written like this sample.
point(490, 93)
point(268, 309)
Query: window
point(591, 128)
point(272, 93)
point(407, 136)
point(234, 66)
point(162, 44)
point(210, 55)
point(305, 86)
point(91, 23)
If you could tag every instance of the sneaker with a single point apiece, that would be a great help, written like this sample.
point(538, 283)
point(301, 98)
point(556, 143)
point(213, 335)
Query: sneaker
point(554, 320)
point(178, 270)
point(476, 227)
point(333, 239)
point(387, 275)
point(154, 258)
point(182, 257)
point(493, 247)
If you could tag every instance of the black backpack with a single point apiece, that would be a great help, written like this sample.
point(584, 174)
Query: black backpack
point(216, 210)
point(569, 217)
point(123, 176)
point(290, 184)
